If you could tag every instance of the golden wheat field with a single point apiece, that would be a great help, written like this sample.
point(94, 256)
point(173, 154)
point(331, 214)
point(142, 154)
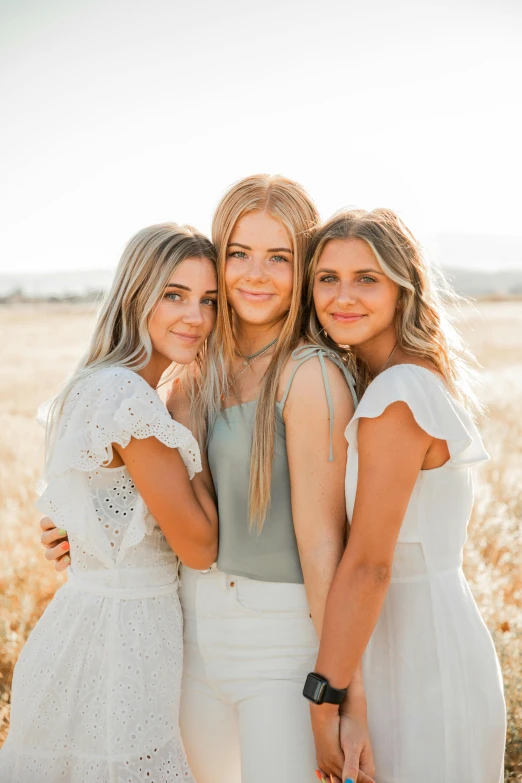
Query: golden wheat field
point(39, 347)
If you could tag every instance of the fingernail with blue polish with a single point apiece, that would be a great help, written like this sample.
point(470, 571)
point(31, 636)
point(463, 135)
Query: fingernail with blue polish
point(349, 780)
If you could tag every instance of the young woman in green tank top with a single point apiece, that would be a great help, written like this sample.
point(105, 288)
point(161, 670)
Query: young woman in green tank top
point(277, 455)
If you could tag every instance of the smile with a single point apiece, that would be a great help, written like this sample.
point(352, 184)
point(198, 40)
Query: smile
point(254, 296)
point(347, 318)
point(186, 338)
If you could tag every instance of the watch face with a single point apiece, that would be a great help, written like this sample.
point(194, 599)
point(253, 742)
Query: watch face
point(314, 688)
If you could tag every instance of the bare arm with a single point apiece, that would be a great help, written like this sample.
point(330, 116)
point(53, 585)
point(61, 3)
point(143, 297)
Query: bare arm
point(317, 485)
point(319, 513)
point(185, 510)
point(392, 449)
point(178, 405)
point(161, 479)
point(388, 469)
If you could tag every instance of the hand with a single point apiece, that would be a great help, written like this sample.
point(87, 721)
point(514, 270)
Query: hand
point(342, 745)
point(172, 397)
point(355, 744)
point(326, 728)
point(56, 544)
point(178, 404)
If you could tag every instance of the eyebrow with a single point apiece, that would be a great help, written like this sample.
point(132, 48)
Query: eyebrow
point(186, 288)
point(269, 250)
point(357, 272)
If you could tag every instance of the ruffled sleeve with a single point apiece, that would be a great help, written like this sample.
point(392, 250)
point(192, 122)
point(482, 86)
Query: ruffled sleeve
point(112, 406)
point(432, 406)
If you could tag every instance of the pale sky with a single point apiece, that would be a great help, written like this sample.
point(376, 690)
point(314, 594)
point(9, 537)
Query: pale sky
point(117, 115)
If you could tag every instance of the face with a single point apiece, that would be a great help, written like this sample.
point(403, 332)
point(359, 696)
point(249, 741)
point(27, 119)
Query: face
point(356, 303)
point(186, 312)
point(259, 271)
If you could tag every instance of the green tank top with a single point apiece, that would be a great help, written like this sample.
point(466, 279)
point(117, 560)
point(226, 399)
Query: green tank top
point(271, 555)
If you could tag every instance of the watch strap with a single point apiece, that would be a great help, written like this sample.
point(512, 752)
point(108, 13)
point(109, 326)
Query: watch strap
point(334, 695)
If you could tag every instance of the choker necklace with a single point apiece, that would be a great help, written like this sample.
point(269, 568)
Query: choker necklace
point(247, 360)
point(386, 363)
point(258, 353)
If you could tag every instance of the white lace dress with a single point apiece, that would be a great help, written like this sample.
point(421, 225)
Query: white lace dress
point(435, 699)
point(97, 686)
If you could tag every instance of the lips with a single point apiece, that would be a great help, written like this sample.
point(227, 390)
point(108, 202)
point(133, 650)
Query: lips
point(255, 296)
point(348, 318)
point(187, 337)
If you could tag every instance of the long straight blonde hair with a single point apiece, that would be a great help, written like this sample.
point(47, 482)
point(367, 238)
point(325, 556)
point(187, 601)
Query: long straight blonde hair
point(121, 337)
point(285, 201)
point(423, 326)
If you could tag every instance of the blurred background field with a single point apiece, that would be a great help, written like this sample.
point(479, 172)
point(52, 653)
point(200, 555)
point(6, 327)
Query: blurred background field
point(39, 347)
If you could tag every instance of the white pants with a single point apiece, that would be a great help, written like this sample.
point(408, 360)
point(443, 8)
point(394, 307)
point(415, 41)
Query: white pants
point(248, 648)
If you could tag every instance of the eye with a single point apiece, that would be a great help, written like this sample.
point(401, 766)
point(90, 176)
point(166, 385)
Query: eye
point(367, 279)
point(279, 259)
point(173, 296)
point(209, 301)
point(328, 279)
point(237, 254)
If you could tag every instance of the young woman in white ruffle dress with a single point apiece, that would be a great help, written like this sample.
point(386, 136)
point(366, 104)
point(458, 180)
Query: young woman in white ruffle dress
point(96, 689)
point(400, 599)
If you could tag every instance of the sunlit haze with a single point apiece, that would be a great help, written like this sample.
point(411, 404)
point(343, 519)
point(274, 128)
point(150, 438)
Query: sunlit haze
point(118, 115)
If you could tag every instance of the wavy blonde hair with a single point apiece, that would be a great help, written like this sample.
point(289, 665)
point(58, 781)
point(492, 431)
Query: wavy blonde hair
point(423, 326)
point(287, 202)
point(121, 337)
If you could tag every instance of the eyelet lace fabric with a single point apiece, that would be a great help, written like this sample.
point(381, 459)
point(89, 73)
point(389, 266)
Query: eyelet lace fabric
point(111, 406)
point(96, 689)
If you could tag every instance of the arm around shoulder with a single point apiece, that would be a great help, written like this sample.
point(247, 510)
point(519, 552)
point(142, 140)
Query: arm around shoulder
point(162, 480)
point(114, 409)
point(162, 456)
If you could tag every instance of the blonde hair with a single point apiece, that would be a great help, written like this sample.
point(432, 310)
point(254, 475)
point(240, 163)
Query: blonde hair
point(121, 337)
point(423, 327)
point(285, 201)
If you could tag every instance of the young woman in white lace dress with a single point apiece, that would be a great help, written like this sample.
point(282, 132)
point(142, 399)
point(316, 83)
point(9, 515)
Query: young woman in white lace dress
point(433, 685)
point(96, 689)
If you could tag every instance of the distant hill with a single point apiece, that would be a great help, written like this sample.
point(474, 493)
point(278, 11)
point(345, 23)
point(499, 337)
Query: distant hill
point(477, 266)
point(473, 283)
point(90, 285)
point(59, 284)
point(483, 253)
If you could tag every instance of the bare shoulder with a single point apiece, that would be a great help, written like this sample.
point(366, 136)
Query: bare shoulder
point(396, 414)
point(308, 389)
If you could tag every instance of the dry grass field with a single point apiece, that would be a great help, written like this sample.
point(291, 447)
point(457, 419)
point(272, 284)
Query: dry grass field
point(39, 346)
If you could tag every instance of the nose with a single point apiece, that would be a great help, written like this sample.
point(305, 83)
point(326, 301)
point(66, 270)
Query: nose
point(346, 294)
point(193, 315)
point(256, 269)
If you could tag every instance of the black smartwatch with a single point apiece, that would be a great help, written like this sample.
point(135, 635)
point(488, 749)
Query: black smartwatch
point(318, 690)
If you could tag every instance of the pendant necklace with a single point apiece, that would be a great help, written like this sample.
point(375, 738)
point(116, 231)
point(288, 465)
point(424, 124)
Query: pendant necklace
point(248, 360)
point(386, 363)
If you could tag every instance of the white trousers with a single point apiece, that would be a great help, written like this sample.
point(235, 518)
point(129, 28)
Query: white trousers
point(248, 648)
